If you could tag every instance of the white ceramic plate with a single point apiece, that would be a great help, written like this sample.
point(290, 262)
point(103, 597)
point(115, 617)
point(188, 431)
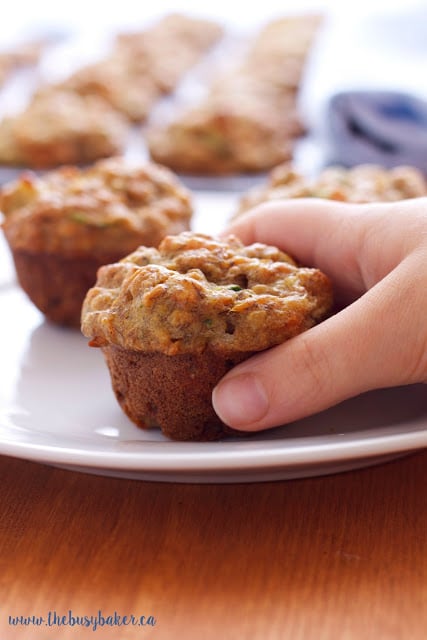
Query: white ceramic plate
point(57, 407)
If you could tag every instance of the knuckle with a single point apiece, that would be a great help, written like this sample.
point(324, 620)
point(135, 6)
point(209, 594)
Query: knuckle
point(312, 365)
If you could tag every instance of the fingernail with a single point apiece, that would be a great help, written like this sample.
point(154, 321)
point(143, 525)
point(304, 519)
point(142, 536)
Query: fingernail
point(240, 400)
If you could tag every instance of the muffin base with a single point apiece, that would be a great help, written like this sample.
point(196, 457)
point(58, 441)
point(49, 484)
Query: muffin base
point(173, 393)
point(57, 285)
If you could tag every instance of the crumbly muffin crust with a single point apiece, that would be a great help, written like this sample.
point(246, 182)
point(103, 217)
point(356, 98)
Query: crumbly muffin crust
point(196, 293)
point(109, 207)
point(360, 184)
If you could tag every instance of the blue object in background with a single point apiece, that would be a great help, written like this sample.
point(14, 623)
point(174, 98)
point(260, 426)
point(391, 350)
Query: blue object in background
point(380, 127)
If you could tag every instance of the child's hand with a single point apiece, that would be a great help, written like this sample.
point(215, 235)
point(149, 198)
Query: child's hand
point(376, 256)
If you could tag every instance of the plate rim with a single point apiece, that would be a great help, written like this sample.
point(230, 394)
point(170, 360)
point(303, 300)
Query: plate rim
point(271, 454)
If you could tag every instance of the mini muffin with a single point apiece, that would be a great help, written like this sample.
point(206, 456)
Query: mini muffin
point(361, 184)
point(60, 127)
point(171, 322)
point(225, 137)
point(65, 225)
point(248, 120)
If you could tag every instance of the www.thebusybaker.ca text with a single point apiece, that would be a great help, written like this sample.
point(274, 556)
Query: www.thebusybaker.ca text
point(54, 619)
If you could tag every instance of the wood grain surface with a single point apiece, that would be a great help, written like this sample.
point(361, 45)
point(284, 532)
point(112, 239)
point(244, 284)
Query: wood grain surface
point(342, 557)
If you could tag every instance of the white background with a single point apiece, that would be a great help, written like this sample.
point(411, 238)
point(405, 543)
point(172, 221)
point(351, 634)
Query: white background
point(19, 16)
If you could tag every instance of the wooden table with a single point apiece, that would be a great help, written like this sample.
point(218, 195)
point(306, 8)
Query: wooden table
point(342, 557)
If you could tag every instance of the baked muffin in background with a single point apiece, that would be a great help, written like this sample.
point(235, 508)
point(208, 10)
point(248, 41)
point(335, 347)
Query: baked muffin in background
point(172, 321)
point(60, 127)
point(248, 120)
point(63, 226)
point(230, 134)
point(360, 184)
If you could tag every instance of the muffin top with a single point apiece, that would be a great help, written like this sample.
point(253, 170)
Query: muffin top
point(109, 207)
point(362, 183)
point(225, 136)
point(196, 292)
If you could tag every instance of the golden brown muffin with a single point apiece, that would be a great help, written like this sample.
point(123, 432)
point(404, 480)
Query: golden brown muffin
point(248, 121)
point(234, 132)
point(362, 184)
point(65, 225)
point(60, 127)
point(171, 322)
